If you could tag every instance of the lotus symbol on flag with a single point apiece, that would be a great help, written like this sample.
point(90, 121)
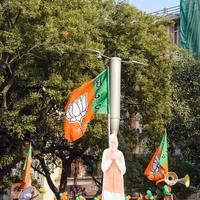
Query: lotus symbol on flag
point(156, 165)
point(77, 110)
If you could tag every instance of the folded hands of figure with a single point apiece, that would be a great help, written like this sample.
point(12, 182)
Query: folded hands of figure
point(114, 156)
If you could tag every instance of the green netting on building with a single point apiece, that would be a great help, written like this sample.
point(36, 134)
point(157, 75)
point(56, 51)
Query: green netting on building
point(190, 26)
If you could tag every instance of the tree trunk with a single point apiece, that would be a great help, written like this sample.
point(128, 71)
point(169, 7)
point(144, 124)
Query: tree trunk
point(66, 168)
point(48, 177)
point(4, 93)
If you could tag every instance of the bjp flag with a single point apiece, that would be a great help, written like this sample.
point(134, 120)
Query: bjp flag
point(84, 103)
point(157, 168)
point(27, 169)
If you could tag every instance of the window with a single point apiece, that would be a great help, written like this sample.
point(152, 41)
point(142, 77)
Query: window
point(175, 34)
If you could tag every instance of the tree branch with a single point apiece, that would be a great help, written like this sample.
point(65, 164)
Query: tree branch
point(10, 19)
point(3, 93)
point(48, 176)
point(8, 168)
point(39, 171)
point(24, 54)
point(98, 183)
point(17, 17)
point(66, 169)
point(87, 159)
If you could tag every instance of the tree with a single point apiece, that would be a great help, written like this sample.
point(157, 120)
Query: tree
point(184, 128)
point(43, 51)
point(44, 56)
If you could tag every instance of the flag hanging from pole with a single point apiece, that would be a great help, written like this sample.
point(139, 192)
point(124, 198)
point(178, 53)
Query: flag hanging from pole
point(84, 103)
point(157, 168)
point(26, 182)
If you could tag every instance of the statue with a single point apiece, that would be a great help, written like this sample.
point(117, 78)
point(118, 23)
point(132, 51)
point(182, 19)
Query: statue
point(113, 167)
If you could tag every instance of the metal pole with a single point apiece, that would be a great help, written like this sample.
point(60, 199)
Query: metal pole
point(115, 87)
point(108, 127)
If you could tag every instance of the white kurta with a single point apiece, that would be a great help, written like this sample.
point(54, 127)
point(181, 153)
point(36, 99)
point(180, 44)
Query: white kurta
point(113, 184)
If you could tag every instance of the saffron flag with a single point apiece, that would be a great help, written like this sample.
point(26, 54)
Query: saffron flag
point(157, 168)
point(26, 182)
point(84, 102)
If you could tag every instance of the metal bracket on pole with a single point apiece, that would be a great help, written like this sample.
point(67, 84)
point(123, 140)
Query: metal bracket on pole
point(115, 89)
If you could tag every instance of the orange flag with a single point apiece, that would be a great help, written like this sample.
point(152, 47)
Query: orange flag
point(27, 169)
point(84, 102)
point(157, 168)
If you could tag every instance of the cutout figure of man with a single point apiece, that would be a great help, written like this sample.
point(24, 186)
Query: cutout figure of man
point(113, 167)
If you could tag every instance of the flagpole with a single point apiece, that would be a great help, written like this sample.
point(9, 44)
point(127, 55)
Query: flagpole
point(108, 104)
point(115, 93)
point(108, 125)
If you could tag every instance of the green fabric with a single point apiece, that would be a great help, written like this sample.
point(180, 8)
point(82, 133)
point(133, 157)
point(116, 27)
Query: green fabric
point(101, 89)
point(149, 193)
point(166, 190)
point(190, 26)
point(164, 154)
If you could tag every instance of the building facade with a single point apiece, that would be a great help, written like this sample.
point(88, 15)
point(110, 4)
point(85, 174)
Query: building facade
point(174, 14)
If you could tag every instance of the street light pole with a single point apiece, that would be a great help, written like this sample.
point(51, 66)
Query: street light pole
point(115, 93)
point(115, 89)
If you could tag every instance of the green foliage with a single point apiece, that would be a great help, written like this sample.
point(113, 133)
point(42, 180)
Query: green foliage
point(5, 182)
point(192, 169)
point(184, 128)
point(133, 35)
point(44, 55)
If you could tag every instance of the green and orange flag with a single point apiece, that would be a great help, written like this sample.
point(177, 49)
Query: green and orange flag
point(157, 168)
point(26, 182)
point(84, 103)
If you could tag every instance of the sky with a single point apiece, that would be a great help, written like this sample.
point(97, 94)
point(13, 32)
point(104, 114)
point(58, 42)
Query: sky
point(153, 5)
